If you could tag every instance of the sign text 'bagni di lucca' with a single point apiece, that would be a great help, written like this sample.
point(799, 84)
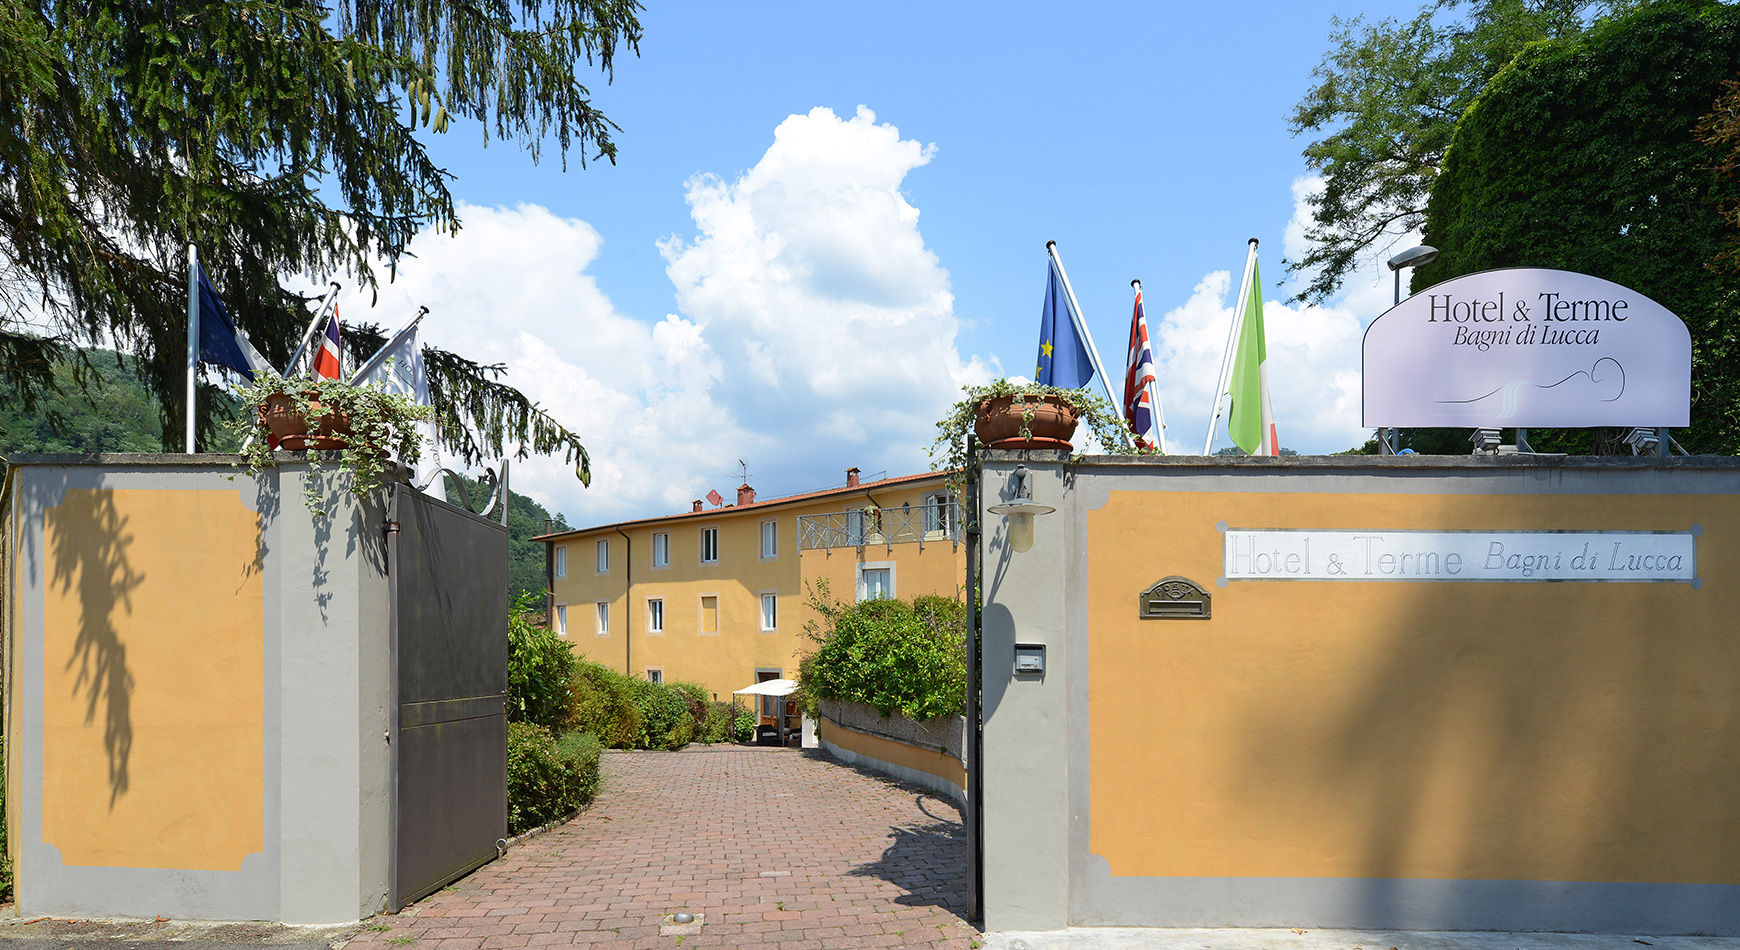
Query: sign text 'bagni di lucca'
point(1354, 555)
point(1527, 347)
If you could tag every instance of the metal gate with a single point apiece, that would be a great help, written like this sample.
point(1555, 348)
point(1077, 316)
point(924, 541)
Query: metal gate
point(449, 590)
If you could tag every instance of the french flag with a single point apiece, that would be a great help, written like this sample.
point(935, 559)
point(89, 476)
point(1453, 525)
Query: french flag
point(326, 362)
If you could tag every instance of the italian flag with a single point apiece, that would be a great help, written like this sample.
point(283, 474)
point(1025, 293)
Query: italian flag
point(1251, 424)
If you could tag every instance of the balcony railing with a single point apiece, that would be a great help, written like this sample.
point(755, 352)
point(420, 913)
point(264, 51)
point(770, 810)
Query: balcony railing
point(859, 527)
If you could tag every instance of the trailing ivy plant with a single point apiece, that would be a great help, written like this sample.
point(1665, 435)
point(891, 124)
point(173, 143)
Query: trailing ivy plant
point(949, 450)
point(382, 427)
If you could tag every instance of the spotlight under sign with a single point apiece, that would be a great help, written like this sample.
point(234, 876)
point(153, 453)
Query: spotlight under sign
point(1528, 347)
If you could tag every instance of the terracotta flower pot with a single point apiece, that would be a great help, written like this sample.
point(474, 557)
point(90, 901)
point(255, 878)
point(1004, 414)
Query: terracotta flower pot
point(998, 423)
point(289, 428)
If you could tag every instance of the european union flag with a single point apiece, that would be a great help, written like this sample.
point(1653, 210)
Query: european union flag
point(1063, 357)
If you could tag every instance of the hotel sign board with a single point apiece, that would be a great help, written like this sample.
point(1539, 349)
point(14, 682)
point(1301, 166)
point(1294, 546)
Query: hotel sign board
point(1355, 555)
point(1528, 347)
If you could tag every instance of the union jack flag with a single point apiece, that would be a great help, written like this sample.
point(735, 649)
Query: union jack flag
point(326, 362)
point(1139, 380)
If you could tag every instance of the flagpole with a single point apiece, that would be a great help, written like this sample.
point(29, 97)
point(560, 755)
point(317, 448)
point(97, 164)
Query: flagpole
point(192, 337)
point(313, 328)
point(1232, 333)
point(1152, 384)
point(1081, 325)
point(372, 362)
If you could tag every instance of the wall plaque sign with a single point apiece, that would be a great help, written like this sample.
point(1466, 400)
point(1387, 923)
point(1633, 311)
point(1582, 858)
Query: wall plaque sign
point(1611, 556)
point(1174, 598)
point(1527, 347)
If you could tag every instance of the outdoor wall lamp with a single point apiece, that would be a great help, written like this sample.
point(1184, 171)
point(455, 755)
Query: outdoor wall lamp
point(1021, 509)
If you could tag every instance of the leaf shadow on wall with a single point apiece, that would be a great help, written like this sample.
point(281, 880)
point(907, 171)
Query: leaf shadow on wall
point(89, 560)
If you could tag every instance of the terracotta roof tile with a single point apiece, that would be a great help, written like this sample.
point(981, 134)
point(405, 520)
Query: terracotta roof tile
point(769, 503)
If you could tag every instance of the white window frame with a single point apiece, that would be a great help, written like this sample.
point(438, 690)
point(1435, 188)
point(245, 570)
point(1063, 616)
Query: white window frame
point(561, 559)
point(712, 531)
point(942, 502)
point(769, 596)
point(603, 607)
point(559, 618)
point(655, 674)
point(893, 581)
point(655, 616)
point(604, 556)
point(770, 540)
point(701, 614)
point(657, 563)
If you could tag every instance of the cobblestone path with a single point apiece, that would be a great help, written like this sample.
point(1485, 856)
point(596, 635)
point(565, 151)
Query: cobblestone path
point(777, 848)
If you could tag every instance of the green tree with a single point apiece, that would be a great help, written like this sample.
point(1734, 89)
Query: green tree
point(283, 137)
point(1583, 154)
point(1386, 100)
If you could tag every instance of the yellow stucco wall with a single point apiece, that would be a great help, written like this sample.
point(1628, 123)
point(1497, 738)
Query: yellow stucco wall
point(1500, 731)
point(153, 680)
point(728, 660)
point(943, 766)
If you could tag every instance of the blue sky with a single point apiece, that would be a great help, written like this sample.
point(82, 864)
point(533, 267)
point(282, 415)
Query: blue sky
point(811, 298)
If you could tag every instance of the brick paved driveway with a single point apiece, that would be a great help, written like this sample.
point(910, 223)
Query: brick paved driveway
point(778, 848)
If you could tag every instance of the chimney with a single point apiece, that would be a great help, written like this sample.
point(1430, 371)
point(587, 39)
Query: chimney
point(695, 506)
point(852, 477)
point(745, 495)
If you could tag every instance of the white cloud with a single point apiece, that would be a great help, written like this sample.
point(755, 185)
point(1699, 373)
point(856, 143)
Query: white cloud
point(1313, 352)
point(815, 330)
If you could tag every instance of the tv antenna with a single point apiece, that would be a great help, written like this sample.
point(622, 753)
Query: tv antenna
point(745, 469)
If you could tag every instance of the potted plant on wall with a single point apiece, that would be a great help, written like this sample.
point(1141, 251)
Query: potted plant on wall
point(365, 425)
point(1008, 415)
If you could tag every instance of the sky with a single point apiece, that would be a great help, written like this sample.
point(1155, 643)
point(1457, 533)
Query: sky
point(825, 219)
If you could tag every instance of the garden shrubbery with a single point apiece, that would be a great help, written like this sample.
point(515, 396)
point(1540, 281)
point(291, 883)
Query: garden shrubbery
point(564, 709)
point(548, 778)
point(906, 656)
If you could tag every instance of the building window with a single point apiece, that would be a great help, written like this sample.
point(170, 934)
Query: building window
point(769, 540)
point(710, 613)
point(939, 515)
point(604, 618)
point(709, 545)
point(876, 580)
point(561, 620)
point(561, 560)
point(661, 550)
point(604, 557)
point(655, 675)
point(655, 615)
point(770, 611)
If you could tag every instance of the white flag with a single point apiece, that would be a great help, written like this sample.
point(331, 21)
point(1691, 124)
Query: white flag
point(398, 368)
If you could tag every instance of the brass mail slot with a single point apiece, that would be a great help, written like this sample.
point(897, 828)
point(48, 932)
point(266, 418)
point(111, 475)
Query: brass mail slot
point(1174, 598)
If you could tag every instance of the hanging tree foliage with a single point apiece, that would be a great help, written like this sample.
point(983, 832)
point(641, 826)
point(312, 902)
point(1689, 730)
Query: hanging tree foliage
point(1385, 101)
point(283, 139)
point(1605, 155)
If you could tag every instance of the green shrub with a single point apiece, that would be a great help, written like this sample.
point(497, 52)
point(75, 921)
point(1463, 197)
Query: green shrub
point(5, 860)
point(895, 655)
point(720, 723)
point(548, 778)
point(603, 702)
point(665, 719)
point(540, 666)
point(745, 725)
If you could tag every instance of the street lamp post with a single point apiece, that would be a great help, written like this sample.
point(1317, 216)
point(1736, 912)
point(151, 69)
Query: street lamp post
point(1413, 257)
